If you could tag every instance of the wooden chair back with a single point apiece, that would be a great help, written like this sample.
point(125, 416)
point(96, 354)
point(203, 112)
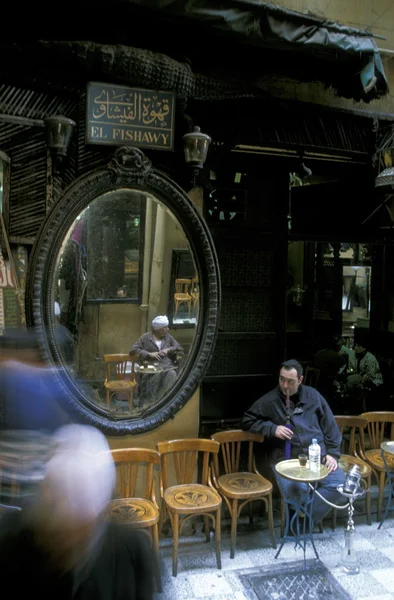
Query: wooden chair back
point(184, 454)
point(355, 434)
point(231, 443)
point(133, 466)
point(116, 366)
point(380, 425)
point(182, 286)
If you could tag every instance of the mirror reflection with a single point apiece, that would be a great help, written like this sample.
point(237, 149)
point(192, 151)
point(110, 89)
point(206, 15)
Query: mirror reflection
point(113, 295)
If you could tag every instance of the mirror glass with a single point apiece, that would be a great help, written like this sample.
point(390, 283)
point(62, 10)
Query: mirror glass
point(114, 275)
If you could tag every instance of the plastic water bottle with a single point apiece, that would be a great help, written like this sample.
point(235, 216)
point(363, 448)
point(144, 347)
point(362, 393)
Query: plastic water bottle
point(314, 456)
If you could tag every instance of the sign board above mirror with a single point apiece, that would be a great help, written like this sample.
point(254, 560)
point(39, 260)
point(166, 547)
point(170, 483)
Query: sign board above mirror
point(118, 115)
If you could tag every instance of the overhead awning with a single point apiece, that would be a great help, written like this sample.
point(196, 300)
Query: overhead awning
point(346, 58)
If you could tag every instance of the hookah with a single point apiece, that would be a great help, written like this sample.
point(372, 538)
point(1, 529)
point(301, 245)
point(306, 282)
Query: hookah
point(351, 490)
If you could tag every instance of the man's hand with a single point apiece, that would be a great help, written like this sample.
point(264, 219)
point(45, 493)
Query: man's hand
point(283, 433)
point(331, 463)
point(155, 355)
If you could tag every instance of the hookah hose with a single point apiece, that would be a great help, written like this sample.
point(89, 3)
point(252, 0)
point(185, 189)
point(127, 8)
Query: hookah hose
point(339, 507)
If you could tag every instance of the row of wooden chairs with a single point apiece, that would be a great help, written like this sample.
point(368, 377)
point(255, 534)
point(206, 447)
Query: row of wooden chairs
point(202, 479)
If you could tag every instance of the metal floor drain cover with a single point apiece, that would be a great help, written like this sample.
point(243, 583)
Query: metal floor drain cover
point(292, 581)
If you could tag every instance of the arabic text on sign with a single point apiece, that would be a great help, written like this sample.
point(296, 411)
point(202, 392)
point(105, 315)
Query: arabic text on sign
point(126, 108)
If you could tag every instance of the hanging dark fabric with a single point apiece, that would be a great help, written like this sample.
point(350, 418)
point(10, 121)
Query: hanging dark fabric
point(267, 25)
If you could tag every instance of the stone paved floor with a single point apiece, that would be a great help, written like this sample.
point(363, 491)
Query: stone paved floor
point(198, 576)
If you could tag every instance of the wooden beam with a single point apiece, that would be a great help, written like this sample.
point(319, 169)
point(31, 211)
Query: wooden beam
point(22, 121)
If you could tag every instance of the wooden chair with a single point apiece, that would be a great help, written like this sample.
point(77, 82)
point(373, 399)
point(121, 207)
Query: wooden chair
point(240, 488)
point(355, 437)
point(194, 292)
point(182, 295)
point(117, 379)
point(135, 467)
point(187, 499)
point(376, 428)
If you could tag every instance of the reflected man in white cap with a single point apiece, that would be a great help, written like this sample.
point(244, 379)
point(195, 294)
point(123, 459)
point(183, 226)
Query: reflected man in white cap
point(157, 351)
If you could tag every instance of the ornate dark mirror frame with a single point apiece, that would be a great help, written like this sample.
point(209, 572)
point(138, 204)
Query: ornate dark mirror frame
point(129, 168)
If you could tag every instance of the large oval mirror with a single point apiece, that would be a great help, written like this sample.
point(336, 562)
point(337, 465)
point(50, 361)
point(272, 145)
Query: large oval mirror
point(123, 288)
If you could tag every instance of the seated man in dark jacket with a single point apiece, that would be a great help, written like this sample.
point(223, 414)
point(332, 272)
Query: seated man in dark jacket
point(308, 416)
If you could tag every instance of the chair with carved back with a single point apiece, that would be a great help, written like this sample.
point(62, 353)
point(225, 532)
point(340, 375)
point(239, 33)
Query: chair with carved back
point(119, 377)
point(182, 295)
point(193, 493)
point(379, 429)
point(195, 292)
point(241, 487)
point(136, 504)
point(352, 431)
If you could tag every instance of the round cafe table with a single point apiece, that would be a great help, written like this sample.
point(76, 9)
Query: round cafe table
point(299, 530)
point(388, 461)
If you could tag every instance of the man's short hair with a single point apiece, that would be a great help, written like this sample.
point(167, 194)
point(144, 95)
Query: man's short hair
point(292, 364)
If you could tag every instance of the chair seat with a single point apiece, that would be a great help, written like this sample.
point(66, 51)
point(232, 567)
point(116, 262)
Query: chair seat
point(374, 457)
point(136, 512)
point(119, 385)
point(244, 485)
point(192, 498)
point(182, 296)
point(346, 461)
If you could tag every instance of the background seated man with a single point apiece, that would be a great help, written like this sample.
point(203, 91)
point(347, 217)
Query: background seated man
point(290, 416)
point(365, 379)
point(157, 347)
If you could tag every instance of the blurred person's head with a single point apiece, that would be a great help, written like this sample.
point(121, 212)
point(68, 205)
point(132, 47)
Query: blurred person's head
point(20, 345)
point(78, 483)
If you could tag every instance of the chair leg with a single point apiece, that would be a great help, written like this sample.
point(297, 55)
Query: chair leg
point(206, 528)
point(382, 477)
point(368, 501)
point(175, 538)
point(250, 508)
point(218, 529)
point(271, 521)
point(163, 517)
point(234, 520)
point(282, 517)
point(155, 535)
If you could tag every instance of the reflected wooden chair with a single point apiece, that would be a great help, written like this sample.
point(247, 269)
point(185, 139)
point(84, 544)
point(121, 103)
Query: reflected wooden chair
point(241, 488)
point(188, 499)
point(195, 293)
point(353, 429)
point(380, 427)
point(182, 295)
point(136, 506)
point(119, 377)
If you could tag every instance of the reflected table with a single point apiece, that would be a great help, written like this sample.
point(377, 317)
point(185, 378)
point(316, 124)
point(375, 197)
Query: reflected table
point(151, 389)
point(387, 451)
point(294, 530)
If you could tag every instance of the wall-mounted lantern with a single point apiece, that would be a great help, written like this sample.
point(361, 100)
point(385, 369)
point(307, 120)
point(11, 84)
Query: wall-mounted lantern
point(59, 131)
point(196, 145)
